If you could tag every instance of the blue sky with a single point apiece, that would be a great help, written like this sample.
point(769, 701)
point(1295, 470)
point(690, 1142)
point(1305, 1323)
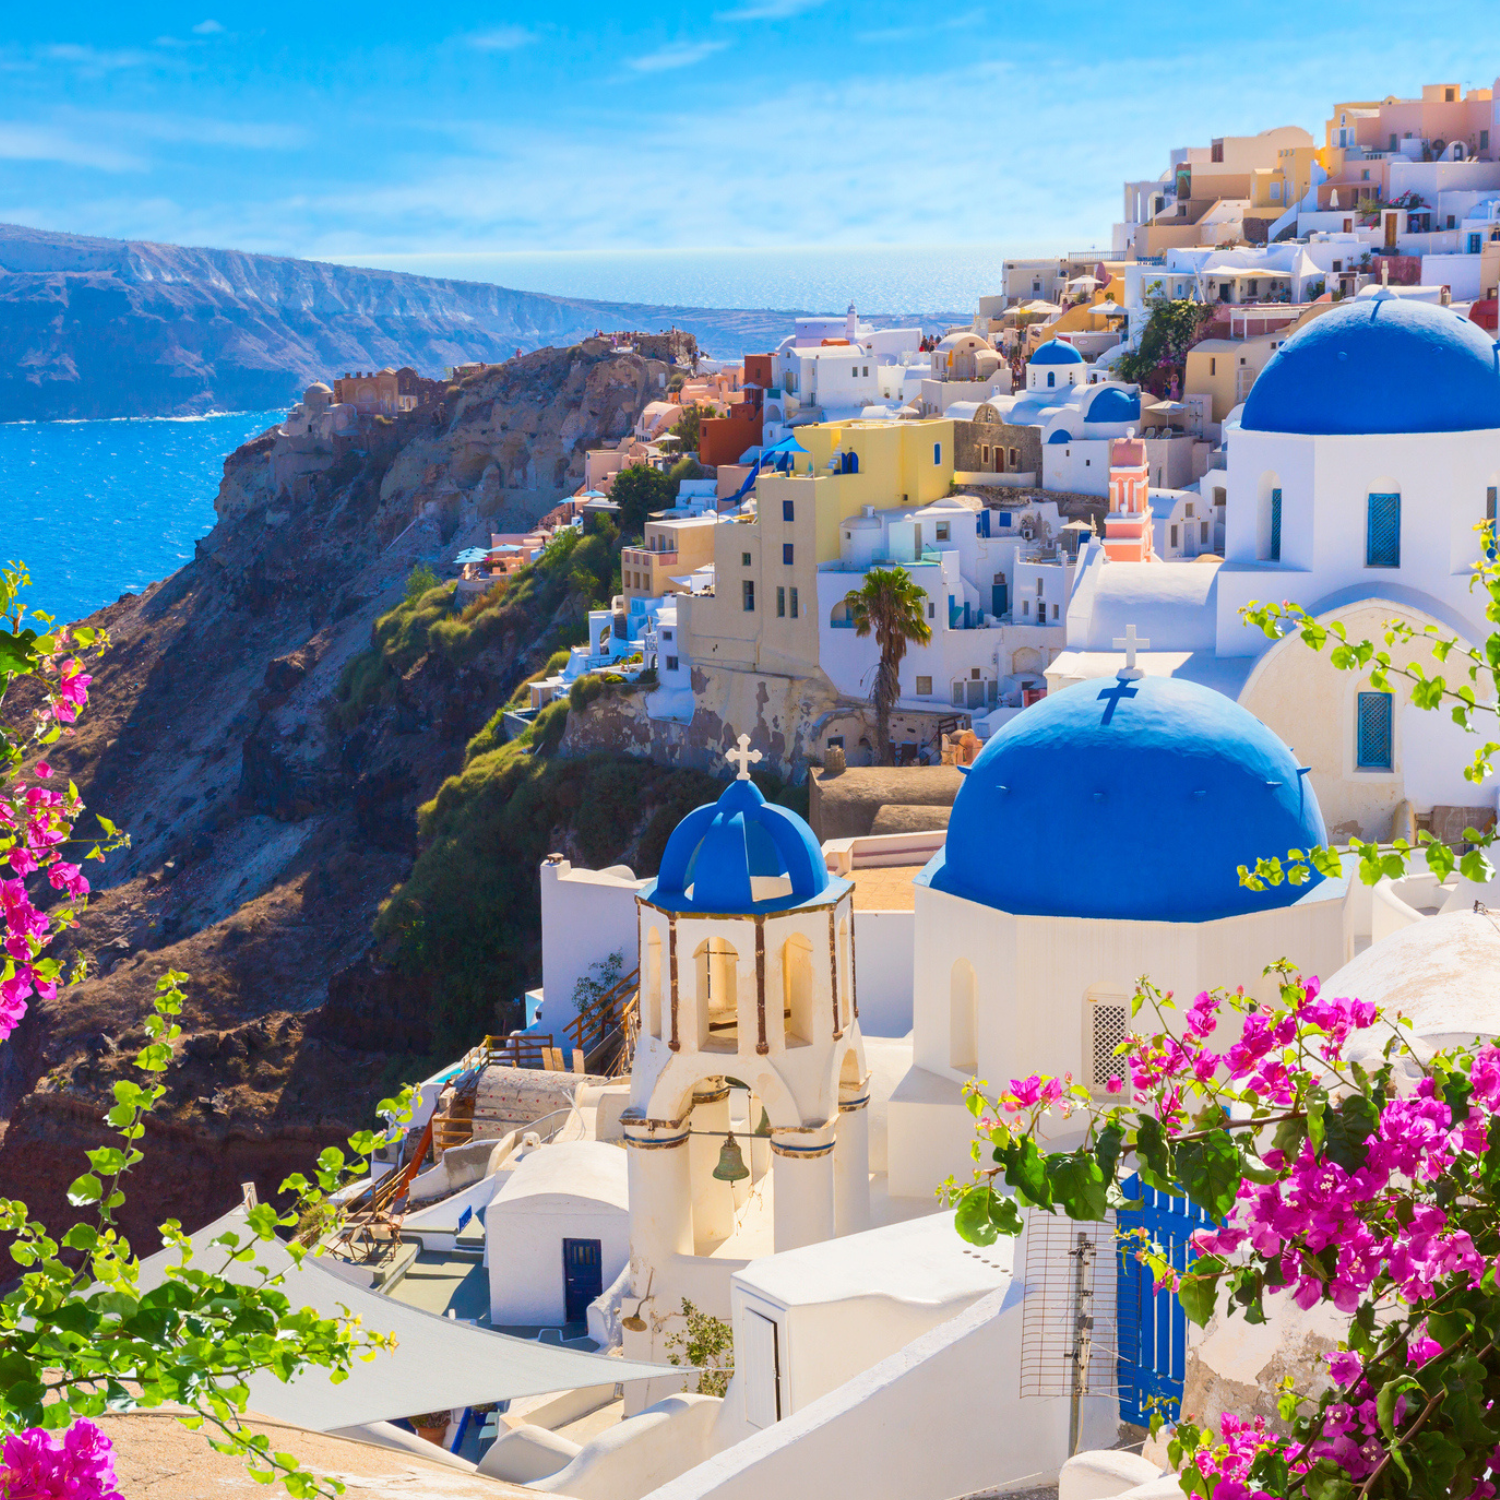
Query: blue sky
point(422, 136)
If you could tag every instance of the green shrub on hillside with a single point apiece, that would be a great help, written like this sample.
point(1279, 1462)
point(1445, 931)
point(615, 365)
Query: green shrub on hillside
point(419, 581)
point(469, 914)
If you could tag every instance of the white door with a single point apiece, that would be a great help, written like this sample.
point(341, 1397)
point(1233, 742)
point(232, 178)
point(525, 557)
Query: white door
point(760, 1366)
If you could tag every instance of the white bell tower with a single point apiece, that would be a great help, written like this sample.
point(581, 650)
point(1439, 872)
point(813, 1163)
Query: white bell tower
point(749, 1025)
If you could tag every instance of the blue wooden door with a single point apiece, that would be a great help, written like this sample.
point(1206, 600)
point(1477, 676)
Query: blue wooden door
point(1152, 1327)
point(583, 1277)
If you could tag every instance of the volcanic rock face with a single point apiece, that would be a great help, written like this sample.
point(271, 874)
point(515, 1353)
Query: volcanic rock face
point(265, 830)
point(117, 328)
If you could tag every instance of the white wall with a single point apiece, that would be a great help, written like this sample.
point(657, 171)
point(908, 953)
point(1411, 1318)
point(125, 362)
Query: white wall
point(937, 1419)
point(1081, 466)
point(586, 916)
point(1460, 273)
point(523, 1244)
point(1325, 484)
point(1034, 976)
point(882, 974)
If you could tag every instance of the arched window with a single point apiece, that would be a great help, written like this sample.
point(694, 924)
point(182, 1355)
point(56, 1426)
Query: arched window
point(1383, 531)
point(652, 986)
point(1268, 519)
point(846, 978)
point(963, 1017)
point(717, 964)
point(797, 990)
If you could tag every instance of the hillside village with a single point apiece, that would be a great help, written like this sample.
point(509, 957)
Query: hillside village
point(956, 621)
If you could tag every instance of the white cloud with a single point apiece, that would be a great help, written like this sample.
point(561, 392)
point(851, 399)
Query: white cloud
point(767, 10)
point(97, 60)
point(927, 28)
point(208, 28)
point(501, 39)
point(674, 55)
point(20, 142)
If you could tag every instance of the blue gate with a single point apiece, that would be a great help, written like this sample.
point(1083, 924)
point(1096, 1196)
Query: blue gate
point(1152, 1327)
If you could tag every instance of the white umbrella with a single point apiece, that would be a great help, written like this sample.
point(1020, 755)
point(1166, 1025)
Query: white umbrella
point(1107, 310)
point(1082, 281)
point(1039, 306)
point(1168, 408)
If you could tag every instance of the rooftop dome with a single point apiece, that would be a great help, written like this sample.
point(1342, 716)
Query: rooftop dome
point(737, 856)
point(1130, 801)
point(1377, 365)
point(1054, 352)
point(1114, 405)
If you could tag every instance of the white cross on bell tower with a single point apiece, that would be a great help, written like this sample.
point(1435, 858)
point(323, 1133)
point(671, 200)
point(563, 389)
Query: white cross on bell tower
point(744, 756)
point(1129, 644)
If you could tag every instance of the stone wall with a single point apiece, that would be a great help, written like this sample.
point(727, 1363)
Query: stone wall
point(971, 438)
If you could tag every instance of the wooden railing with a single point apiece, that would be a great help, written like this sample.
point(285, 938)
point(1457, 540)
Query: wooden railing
point(594, 1031)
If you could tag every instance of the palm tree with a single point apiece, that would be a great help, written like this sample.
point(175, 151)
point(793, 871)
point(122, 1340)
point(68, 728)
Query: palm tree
point(888, 604)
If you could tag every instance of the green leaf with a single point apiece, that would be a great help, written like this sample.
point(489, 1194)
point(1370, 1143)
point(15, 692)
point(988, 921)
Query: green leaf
point(1026, 1172)
point(983, 1216)
point(1198, 1289)
point(17, 653)
point(84, 1190)
point(1209, 1170)
point(1155, 1155)
point(1078, 1186)
point(1347, 1130)
point(1107, 1150)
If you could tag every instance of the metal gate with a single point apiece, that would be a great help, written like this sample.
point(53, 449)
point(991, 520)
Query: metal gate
point(583, 1277)
point(1152, 1327)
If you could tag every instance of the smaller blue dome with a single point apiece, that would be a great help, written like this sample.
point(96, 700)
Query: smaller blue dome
point(1375, 365)
point(1055, 352)
point(1062, 435)
point(738, 856)
point(1114, 405)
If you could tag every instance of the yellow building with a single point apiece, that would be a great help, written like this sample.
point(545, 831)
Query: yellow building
point(762, 615)
point(1225, 369)
point(670, 550)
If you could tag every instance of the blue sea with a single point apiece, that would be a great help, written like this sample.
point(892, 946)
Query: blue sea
point(98, 509)
point(894, 279)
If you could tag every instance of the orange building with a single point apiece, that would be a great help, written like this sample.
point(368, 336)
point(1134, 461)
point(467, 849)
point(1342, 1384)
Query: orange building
point(722, 440)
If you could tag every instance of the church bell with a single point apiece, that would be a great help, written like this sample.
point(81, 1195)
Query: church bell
point(731, 1166)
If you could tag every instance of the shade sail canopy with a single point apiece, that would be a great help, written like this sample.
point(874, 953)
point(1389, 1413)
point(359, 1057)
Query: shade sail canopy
point(788, 444)
point(437, 1362)
point(472, 555)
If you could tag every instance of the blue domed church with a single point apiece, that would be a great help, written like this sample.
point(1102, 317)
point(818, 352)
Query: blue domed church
point(1097, 838)
point(1362, 477)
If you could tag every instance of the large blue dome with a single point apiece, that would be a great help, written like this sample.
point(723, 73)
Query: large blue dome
point(1055, 352)
point(739, 855)
point(1132, 801)
point(1376, 365)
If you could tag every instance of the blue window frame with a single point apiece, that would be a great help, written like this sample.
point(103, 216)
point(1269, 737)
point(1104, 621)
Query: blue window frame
point(1275, 552)
point(1489, 515)
point(1051, 378)
point(1383, 532)
point(748, 594)
point(788, 508)
point(780, 603)
point(786, 553)
point(937, 453)
point(1372, 732)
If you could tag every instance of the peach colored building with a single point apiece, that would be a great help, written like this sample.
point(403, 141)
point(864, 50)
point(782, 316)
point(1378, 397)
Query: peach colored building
point(1127, 526)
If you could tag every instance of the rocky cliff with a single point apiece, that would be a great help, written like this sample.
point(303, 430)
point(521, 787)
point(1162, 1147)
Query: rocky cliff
point(115, 328)
point(269, 761)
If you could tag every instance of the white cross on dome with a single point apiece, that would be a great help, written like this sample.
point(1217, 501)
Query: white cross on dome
point(745, 757)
